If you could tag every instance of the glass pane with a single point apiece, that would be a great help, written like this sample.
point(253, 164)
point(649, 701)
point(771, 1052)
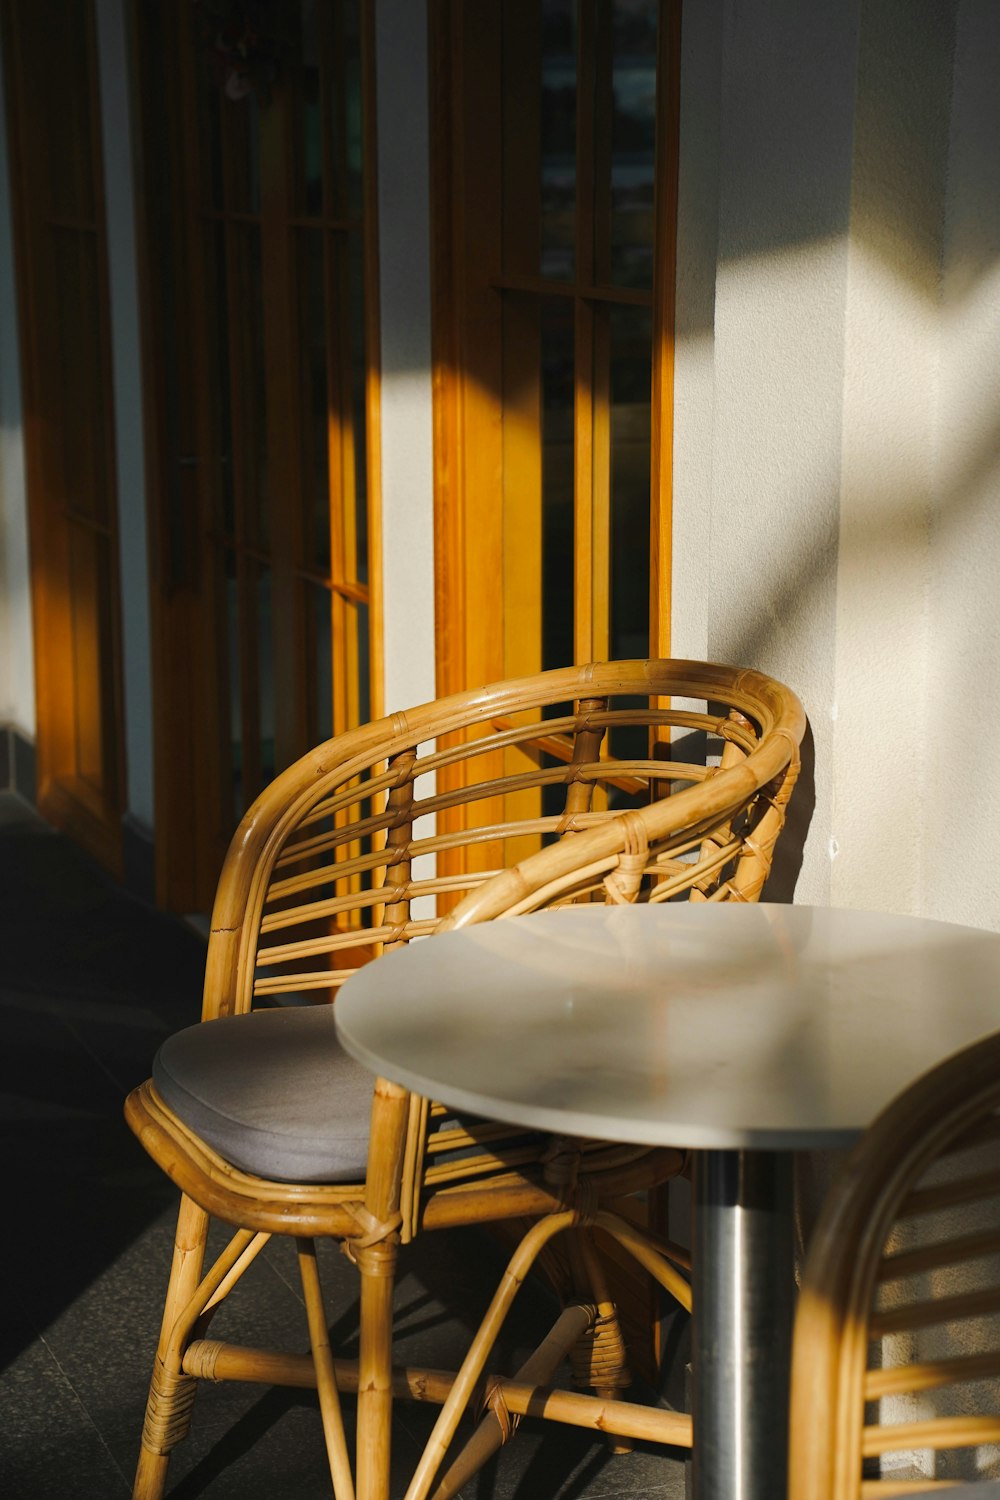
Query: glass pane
point(90, 624)
point(232, 670)
point(357, 414)
point(265, 677)
point(74, 394)
point(364, 709)
point(320, 678)
point(558, 139)
point(244, 308)
point(346, 113)
point(218, 349)
point(557, 482)
point(308, 125)
point(55, 41)
point(631, 355)
point(314, 400)
point(240, 121)
point(633, 141)
point(210, 105)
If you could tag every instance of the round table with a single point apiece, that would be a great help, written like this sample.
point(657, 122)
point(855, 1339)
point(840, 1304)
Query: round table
point(745, 1032)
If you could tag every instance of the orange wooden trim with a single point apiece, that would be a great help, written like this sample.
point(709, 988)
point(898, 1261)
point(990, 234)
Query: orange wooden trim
point(373, 360)
point(583, 485)
point(600, 575)
point(63, 792)
point(446, 208)
point(664, 307)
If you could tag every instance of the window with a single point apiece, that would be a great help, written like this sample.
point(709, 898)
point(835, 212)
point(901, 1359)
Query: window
point(555, 172)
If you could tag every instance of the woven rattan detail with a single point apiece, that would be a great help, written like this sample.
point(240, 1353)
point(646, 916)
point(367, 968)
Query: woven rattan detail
point(168, 1411)
point(625, 881)
point(202, 1358)
point(561, 1164)
point(375, 1246)
point(599, 1359)
point(493, 1400)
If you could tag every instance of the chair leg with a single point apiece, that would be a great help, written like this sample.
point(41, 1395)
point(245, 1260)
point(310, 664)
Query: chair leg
point(171, 1393)
point(377, 1266)
point(599, 1361)
point(326, 1380)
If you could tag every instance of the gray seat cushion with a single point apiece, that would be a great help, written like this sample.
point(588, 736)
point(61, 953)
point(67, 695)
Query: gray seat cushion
point(273, 1092)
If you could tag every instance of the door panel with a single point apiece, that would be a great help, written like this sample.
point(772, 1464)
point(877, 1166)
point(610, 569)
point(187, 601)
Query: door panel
point(266, 406)
point(50, 55)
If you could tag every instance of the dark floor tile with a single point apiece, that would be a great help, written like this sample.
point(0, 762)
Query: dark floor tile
point(49, 1449)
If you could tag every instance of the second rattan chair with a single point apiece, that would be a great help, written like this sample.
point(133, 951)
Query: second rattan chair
point(616, 781)
point(896, 1352)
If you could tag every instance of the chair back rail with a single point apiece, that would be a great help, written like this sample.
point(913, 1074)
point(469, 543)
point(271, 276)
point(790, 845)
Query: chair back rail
point(379, 835)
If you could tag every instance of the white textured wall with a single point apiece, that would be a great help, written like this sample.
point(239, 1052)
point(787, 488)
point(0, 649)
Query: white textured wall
point(116, 128)
point(884, 730)
point(837, 458)
point(404, 292)
point(960, 815)
point(760, 386)
point(17, 672)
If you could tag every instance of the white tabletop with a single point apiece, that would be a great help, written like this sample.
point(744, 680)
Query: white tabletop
point(720, 1026)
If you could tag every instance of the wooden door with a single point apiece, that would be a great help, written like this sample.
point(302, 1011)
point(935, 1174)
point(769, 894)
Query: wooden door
point(262, 357)
point(58, 196)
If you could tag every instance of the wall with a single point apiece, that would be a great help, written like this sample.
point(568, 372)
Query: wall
point(836, 457)
point(404, 292)
point(961, 809)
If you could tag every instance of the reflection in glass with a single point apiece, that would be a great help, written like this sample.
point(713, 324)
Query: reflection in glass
point(308, 110)
point(349, 127)
point(265, 676)
point(66, 167)
point(246, 325)
point(76, 440)
point(631, 345)
point(320, 648)
point(314, 400)
point(218, 342)
point(558, 139)
point(557, 482)
point(633, 141)
point(364, 711)
point(357, 413)
point(90, 625)
point(232, 671)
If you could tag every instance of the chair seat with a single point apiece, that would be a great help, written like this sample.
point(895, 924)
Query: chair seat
point(273, 1092)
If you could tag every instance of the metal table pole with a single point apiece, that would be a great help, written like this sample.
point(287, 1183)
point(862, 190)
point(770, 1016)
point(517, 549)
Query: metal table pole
point(744, 1291)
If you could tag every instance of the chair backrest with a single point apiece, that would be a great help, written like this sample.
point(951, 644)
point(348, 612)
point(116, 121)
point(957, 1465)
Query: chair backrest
point(896, 1330)
point(671, 777)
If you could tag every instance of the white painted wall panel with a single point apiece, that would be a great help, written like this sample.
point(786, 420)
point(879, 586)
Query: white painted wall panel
point(17, 671)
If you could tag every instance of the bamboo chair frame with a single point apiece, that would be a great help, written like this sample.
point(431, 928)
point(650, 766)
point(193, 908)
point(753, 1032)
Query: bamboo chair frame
point(321, 876)
point(884, 1184)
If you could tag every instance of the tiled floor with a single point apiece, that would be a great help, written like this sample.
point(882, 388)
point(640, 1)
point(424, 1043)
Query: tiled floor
point(90, 981)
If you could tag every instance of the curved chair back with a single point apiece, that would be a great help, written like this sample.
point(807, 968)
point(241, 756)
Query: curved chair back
point(671, 776)
point(906, 1251)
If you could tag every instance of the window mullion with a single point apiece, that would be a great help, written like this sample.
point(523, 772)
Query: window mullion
point(583, 409)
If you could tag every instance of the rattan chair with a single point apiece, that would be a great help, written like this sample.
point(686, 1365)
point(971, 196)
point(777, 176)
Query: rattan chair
point(897, 1336)
point(621, 781)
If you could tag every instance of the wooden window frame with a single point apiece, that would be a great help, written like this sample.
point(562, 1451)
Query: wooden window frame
point(469, 553)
